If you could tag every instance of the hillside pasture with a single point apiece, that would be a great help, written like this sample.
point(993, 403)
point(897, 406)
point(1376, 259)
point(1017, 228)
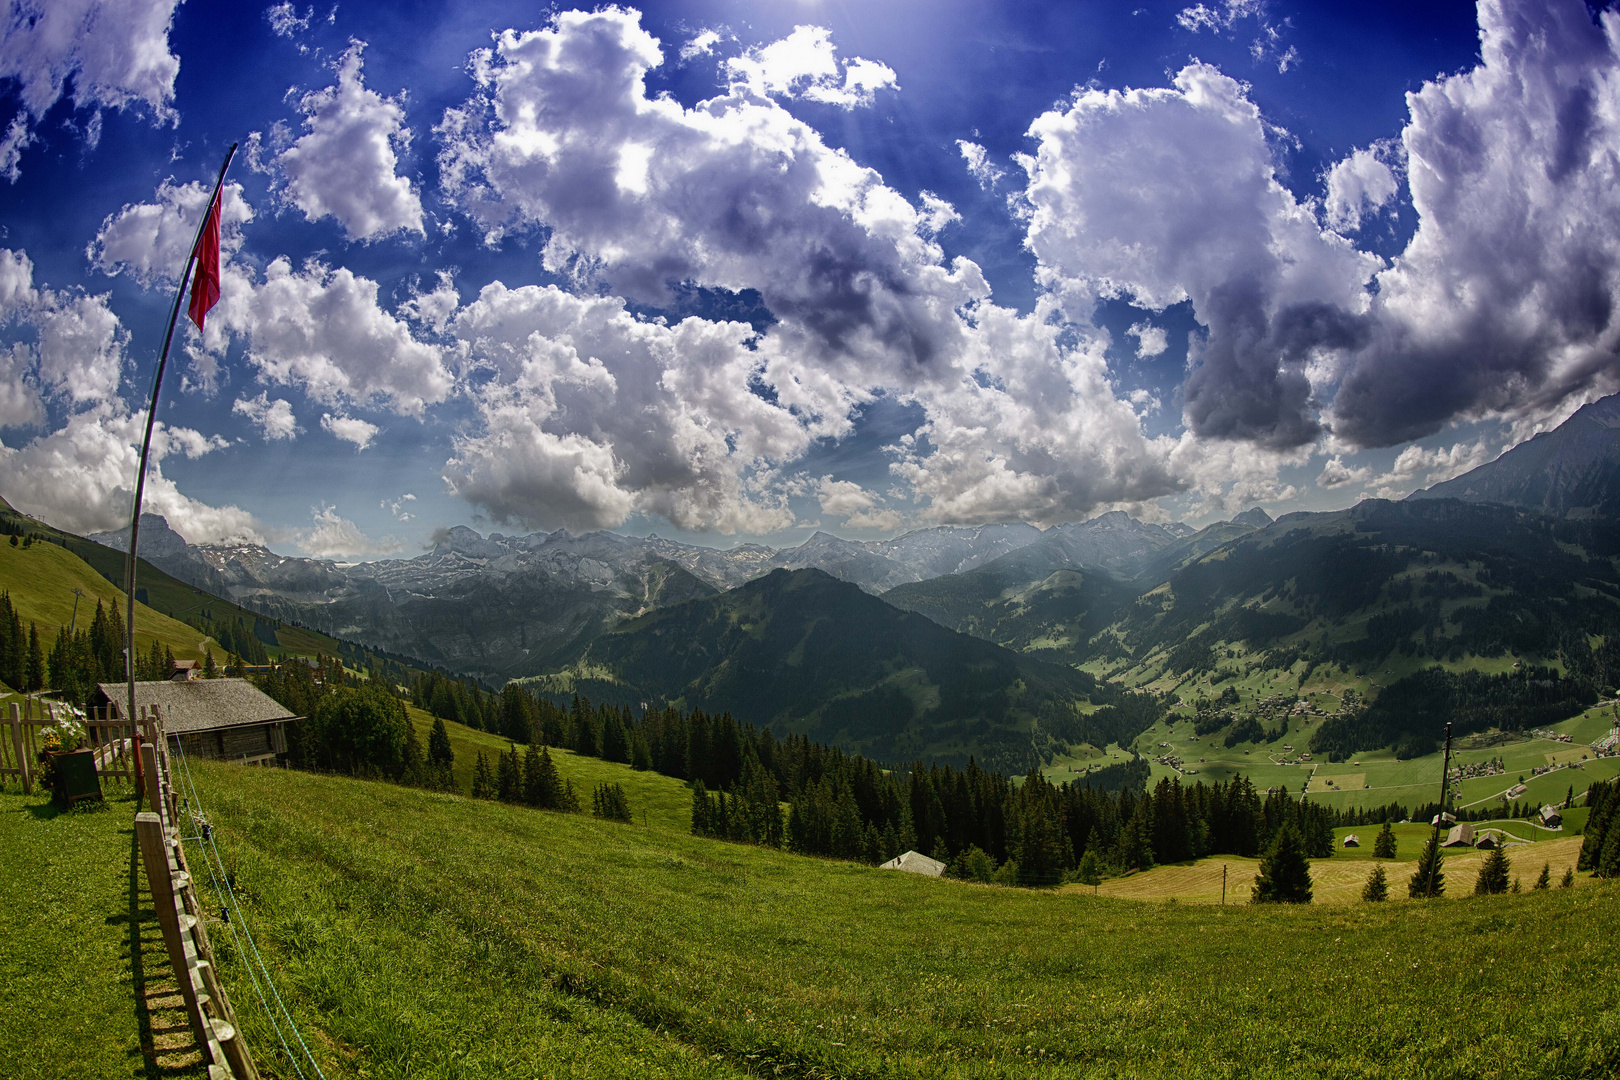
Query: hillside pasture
point(401, 922)
point(41, 579)
point(1337, 880)
point(654, 799)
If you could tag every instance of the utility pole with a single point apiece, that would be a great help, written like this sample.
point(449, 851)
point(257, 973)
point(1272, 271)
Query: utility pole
point(78, 594)
point(1223, 884)
point(1440, 815)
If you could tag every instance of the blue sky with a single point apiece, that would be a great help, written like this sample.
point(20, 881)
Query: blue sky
point(733, 272)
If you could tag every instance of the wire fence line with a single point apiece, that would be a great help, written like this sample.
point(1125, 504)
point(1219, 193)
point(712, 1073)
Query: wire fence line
point(257, 971)
point(184, 919)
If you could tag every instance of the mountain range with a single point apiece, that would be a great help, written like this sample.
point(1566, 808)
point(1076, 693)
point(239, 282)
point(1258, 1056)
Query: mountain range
point(499, 607)
point(956, 640)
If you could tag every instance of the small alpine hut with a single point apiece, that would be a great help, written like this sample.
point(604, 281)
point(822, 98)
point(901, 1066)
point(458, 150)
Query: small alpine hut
point(1551, 818)
point(1352, 841)
point(1486, 842)
point(915, 862)
point(223, 719)
point(1461, 835)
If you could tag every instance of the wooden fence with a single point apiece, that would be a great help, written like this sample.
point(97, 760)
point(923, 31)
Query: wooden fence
point(181, 914)
point(106, 733)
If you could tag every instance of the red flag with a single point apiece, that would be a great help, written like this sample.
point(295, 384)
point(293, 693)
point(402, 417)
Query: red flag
point(205, 285)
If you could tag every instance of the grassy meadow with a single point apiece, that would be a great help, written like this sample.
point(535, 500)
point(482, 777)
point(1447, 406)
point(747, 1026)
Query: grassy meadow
point(85, 987)
point(424, 935)
point(41, 579)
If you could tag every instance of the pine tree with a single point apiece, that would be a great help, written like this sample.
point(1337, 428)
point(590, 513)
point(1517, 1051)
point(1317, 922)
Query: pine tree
point(534, 780)
point(1384, 844)
point(509, 776)
point(1135, 852)
point(34, 666)
point(441, 759)
point(1568, 880)
point(483, 785)
point(1493, 874)
point(1544, 879)
point(1285, 874)
point(411, 769)
point(210, 671)
point(568, 801)
point(1429, 880)
point(1516, 886)
point(610, 802)
point(1377, 887)
point(702, 810)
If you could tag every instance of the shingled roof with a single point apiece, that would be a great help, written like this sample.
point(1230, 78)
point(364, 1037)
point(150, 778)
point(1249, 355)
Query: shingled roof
point(200, 704)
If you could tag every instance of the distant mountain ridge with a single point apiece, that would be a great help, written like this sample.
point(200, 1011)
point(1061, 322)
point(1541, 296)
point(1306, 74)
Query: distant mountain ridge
point(500, 606)
point(801, 652)
point(1570, 471)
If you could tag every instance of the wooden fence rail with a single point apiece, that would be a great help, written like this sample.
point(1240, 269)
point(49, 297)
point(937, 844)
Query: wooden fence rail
point(111, 738)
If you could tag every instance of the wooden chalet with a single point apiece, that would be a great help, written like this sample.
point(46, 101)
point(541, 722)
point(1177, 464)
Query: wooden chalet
point(223, 719)
point(1461, 835)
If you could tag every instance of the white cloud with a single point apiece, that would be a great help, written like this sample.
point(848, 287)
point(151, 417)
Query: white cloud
point(1336, 473)
point(78, 349)
point(285, 21)
point(805, 65)
point(323, 330)
point(1031, 429)
point(350, 429)
point(937, 213)
point(274, 419)
point(115, 55)
point(1166, 195)
point(335, 537)
point(1224, 17)
point(151, 241)
point(398, 507)
point(701, 45)
point(434, 309)
point(80, 478)
point(859, 508)
point(735, 193)
point(317, 328)
point(17, 139)
point(590, 415)
point(1418, 466)
point(1150, 340)
point(1503, 303)
point(1358, 187)
point(979, 165)
point(20, 403)
point(345, 165)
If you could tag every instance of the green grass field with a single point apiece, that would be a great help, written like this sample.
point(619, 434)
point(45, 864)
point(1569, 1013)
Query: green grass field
point(654, 799)
point(426, 935)
point(81, 942)
point(41, 579)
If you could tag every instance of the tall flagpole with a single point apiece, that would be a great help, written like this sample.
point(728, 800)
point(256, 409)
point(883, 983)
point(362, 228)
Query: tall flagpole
point(146, 442)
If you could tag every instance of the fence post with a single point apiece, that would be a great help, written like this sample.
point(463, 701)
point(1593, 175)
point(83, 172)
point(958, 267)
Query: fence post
point(149, 752)
point(17, 745)
point(155, 857)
